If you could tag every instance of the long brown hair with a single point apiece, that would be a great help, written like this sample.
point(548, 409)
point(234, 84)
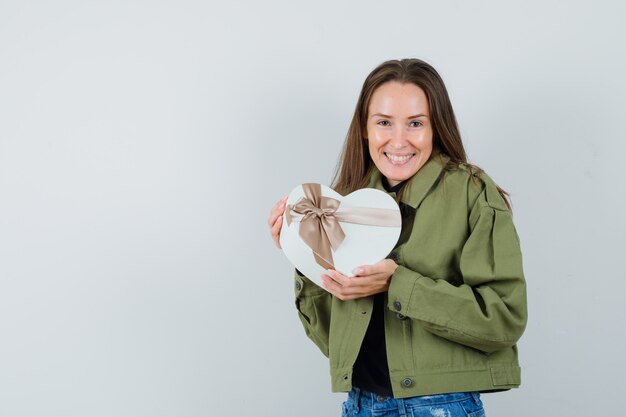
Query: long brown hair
point(355, 164)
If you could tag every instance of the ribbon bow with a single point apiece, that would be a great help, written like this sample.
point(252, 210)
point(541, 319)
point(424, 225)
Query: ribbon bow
point(319, 219)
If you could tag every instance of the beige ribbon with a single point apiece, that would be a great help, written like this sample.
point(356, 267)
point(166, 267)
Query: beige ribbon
point(319, 219)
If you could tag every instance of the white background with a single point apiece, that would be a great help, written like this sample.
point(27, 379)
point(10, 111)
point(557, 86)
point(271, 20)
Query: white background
point(142, 144)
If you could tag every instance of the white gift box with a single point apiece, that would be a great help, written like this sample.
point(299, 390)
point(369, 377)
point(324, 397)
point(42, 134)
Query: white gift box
point(363, 244)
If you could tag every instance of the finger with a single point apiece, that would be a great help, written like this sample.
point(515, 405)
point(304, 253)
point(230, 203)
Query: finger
point(333, 287)
point(339, 278)
point(279, 217)
point(362, 270)
point(275, 230)
point(336, 277)
point(369, 287)
point(277, 210)
point(277, 224)
point(377, 268)
point(330, 286)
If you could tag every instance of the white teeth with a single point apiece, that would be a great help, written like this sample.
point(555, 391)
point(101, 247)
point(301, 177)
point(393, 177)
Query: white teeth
point(396, 158)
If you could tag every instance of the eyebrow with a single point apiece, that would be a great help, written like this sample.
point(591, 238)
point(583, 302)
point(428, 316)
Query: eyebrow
point(391, 117)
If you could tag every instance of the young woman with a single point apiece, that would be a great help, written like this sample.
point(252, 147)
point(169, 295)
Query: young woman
point(426, 330)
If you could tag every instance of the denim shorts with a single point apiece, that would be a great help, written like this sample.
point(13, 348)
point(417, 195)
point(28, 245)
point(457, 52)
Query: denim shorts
point(364, 403)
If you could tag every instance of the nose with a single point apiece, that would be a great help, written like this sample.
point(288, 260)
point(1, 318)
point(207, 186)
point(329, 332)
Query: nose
point(398, 137)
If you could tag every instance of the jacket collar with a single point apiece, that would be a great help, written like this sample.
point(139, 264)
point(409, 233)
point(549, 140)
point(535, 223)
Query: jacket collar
point(419, 184)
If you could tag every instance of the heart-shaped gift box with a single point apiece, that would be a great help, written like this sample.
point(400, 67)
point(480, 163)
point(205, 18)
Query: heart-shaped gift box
point(322, 229)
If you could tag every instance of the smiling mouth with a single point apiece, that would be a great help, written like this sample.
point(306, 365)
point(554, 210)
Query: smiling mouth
point(398, 159)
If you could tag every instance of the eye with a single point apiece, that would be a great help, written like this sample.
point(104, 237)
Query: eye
point(382, 121)
point(417, 121)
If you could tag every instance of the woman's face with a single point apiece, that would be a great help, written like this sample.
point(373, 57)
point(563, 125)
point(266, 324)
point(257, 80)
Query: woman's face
point(399, 132)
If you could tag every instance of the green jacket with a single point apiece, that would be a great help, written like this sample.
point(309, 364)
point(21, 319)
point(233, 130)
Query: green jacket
point(456, 305)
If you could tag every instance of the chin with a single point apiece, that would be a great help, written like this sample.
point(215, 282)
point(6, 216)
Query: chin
point(394, 175)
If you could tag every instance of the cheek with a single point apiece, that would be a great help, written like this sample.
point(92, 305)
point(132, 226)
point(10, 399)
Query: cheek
point(423, 140)
point(376, 142)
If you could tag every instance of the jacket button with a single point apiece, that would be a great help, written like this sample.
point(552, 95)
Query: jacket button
point(393, 256)
point(397, 305)
point(298, 285)
point(400, 316)
point(407, 382)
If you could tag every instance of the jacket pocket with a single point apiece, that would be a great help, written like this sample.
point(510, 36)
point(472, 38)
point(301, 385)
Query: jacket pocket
point(314, 313)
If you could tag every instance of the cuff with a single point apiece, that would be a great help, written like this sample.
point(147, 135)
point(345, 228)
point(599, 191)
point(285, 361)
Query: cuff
point(401, 289)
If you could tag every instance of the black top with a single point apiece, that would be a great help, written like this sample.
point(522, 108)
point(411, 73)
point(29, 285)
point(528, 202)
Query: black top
point(371, 371)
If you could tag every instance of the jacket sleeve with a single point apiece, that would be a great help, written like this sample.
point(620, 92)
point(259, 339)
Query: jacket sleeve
point(313, 304)
point(487, 310)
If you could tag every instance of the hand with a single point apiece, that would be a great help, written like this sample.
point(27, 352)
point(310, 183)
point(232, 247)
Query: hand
point(368, 280)
point(275, 220)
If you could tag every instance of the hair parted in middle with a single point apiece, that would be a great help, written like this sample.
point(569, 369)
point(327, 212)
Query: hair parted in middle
point(355, 164)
